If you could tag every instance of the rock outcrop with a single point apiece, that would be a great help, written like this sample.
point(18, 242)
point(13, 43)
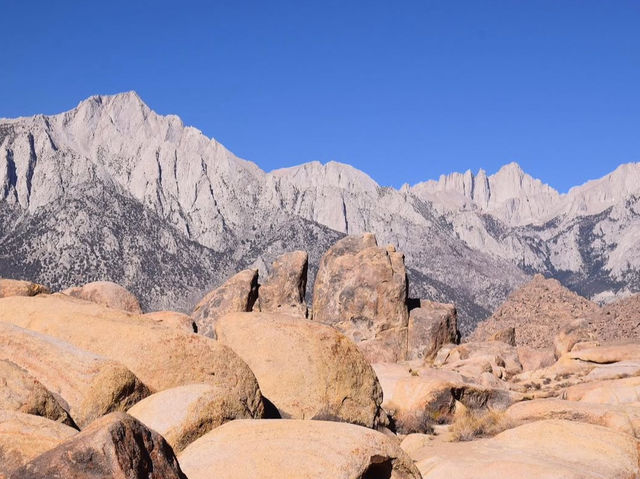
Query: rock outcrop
point(87, 385)
point(160, 357)
point(237, 294)
point(302, 449)
point(107, 294)
point(361, 290)
point(284, 289)
point(306, 369)
point(15, 287)
point(431, 326)
point(115, 445)
point(173, 319)
point(21, 392)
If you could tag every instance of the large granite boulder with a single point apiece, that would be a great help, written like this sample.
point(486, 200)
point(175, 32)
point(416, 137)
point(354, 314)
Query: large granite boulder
point(285, 287)
point(160, 357)
point(16, 287)
point(431, 326)
point(21, 392)
point(292, 448)
point(25, 436)
point(173, 319)
point(361, 290)
point(306, 369)
point(114, 446)
point(183, 414)
point(237, 294)
point(86, 385)
point(107, 294)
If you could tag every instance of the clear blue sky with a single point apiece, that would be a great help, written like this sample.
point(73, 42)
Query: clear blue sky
point(403, 90)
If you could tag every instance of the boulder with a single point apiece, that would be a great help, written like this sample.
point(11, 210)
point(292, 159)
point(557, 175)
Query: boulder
point(361, 290)
point(15, 287)
point(474, 358)
point(20, 391)
point(616, 370)
point(551, 449)
point(569, 335)
point(25, 436)
point(419, 398)
point(532, 359)
point(237, 294)
point(623, 419)
point(85, 384)
point(173, 319)
point(306, 369)
point(107, 294)
point(607, 354)
point(285, 288)
point(160, 357)
point(292, 448)
point(114, 446)
point(613, 391)
point(506, 335)
point(431, 326)
point(183, 414)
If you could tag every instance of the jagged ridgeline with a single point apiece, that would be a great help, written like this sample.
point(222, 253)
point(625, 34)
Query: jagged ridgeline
point(113, 191)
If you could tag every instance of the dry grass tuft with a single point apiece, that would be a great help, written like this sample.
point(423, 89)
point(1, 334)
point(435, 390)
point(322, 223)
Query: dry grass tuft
point(469, 424)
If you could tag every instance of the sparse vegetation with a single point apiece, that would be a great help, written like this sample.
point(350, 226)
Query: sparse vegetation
point(470, 424)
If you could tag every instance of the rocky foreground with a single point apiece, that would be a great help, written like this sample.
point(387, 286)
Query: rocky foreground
point(366, 383)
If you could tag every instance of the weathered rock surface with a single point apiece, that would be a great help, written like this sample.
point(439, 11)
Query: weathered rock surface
point(85, 384)
point(474, 358)
point(306, 369)
point(549, 449)
point(507, 335)
point(25, 436)
point(107, 294)
point(285, 288)
point(173, 319)
point(361, 290)
point(538, 310)
point(160, 357)
point(21, 392)
point(292, 448)
point(183, 414)
point(607, 353)
point(612, 391)
point(237, 294)
point(431, 326)
point(532, 359)
point(15, 287)
point(114, 446)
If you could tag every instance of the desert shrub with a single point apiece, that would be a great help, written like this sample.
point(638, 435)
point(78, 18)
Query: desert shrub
point(471, 424)
point(414, 421)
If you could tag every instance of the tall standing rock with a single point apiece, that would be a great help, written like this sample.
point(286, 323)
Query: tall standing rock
point(361, 289)
point(431, 326)
point(107, 294)
point(285, 288)
point(237, 295)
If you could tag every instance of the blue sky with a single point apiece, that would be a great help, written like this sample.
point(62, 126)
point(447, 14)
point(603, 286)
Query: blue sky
point(405, 91)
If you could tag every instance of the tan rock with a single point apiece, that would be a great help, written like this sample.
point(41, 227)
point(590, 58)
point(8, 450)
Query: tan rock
point(15, 287)
point(608, 354)
point(532, 359)
point(306, 369)
point(21, 392)
point(85, 384)
point(291, 448)
point(284, 290)
point(361, 290)
point(550, 449)
point(569, 335)
point(25, 436)
point(173, 319)
point(506, 335)
point(237, 294)
point(474, 358)
point(613, 391)
point(114, 446)
point(183, 414)
point(616, 370)
point(160, 357)
point(431, 326)
point(107, 294)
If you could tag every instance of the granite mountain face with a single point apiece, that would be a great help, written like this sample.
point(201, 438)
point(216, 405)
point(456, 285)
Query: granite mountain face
point(111, 190)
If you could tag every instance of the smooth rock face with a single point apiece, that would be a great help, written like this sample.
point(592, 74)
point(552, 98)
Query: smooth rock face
point(613, 391)
point(284, 290)
point(183, 414)
point(15, 287)
point(173, 319)
point(107, 294)
point(550, 449)
point(114, 446)
point(361, 290)
point(237, 294)
point(85, 384)
point(21, 392)
point(532, 359)
point(301, 449)
point(160, 357)
point(431, 326)
point(306, 369)
point(25, 436)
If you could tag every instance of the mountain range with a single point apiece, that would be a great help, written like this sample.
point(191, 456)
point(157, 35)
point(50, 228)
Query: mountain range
point(111, 190)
